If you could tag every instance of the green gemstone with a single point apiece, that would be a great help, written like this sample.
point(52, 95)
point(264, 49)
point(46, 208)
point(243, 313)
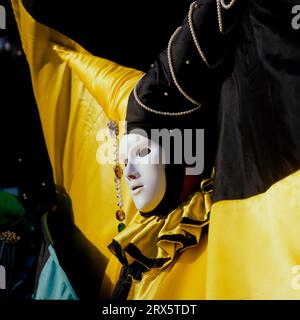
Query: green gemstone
point(121, 227)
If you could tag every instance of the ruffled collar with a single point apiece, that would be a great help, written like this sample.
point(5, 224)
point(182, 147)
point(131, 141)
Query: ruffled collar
point(155, 241)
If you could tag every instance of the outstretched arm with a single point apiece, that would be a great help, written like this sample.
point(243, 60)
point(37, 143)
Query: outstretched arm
point(72, 89)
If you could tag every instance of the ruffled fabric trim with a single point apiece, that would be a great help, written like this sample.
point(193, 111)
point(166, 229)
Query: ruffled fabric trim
point(155, 241)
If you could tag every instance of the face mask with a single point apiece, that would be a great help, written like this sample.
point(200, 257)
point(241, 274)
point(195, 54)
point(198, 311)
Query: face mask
point(144, 171)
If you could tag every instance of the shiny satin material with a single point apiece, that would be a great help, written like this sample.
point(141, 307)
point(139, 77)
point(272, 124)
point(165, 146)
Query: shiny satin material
point(253, 250)
point(155, 241)
point(110, 92)
point(259, 139)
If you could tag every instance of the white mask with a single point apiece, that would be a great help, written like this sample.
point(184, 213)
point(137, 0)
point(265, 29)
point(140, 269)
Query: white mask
point(144, 171)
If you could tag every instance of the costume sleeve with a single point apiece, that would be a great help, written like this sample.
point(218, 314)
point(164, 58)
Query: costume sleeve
point(76, 95)
point(197, 60)
point(63, 96)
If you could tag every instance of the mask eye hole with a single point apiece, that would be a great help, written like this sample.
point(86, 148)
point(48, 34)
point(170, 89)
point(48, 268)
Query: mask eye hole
point(143, 152)
point(125, 162)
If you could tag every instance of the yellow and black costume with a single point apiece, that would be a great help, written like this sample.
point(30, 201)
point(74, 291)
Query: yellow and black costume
point(247, 71)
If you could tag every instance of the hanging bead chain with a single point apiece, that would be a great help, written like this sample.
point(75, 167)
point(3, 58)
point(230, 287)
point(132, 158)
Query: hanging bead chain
point(179, 88)
point(221, 4)
point(114, 133)
point(229, 5)
point(163, 113)
point(193, 6)
point(170, 64)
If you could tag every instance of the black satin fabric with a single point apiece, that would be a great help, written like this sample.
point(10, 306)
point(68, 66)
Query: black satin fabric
point(259, 113)
point(254, 94)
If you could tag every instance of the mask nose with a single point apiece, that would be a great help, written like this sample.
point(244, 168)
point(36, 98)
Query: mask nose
point(131, 177)
point(131, 172)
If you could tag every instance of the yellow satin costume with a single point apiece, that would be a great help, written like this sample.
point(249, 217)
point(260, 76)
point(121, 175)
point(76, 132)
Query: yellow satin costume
point(253, 244)
point(77, 94)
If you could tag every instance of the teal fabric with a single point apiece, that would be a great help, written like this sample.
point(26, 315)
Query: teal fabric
point(53, 283)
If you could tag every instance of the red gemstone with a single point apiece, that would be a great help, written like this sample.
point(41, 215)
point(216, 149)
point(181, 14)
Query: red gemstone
point(120, 215)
